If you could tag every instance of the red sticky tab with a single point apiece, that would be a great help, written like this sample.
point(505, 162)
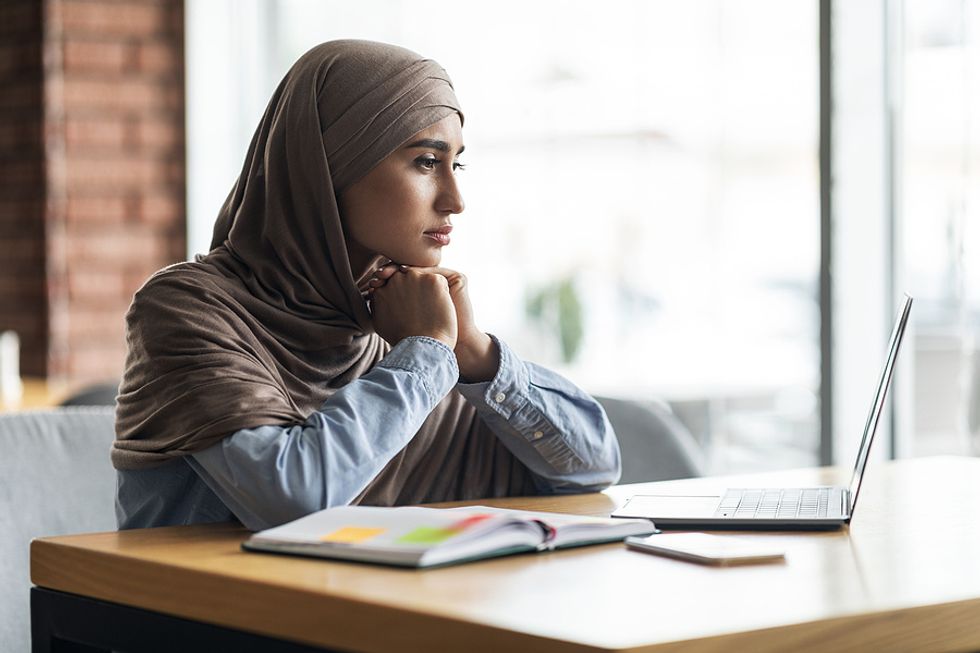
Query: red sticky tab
point(463, 524)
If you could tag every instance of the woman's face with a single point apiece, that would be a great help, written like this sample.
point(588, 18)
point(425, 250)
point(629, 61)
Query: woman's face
point(403, 208)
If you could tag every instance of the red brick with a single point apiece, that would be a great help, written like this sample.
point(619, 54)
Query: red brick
point(21, 135)
point(97, 56)
point(20, 59)
point(162, 209)
point(27, 210)
point(137, 276)
point(22, 297)
point(91, 363)
point(18, 173)
point(33, 361)
point(120, 95)
point(27, 226)
point(24, 290)
point(21, 95)
point(99, 18)
point(33, 350)
point(102, 282)
point(177, 172)
point(160, 58)
point(115, 176)
point(176, 19)
point(98, 324)
point(98, 209)
point(15, 252)
point(122, 247)
point(26, 266)
point(95, 133)
point(30, 191)
point(178, 249)
point(113, 172)
point(30, 327)
point(19, 17)
point(159, 133)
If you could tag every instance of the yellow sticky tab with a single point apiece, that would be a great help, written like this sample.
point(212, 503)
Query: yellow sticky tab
point(352, 534)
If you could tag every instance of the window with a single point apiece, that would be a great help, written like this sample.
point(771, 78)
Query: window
point(642, 192)
point(939, 214)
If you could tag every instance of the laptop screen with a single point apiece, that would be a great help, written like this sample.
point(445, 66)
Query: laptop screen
point(874, 416)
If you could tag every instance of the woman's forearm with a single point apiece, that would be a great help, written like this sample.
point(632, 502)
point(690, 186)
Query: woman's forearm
point(271, 474)
point(557, 430)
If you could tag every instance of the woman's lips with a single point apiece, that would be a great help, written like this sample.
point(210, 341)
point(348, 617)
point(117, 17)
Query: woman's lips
point(440, 235)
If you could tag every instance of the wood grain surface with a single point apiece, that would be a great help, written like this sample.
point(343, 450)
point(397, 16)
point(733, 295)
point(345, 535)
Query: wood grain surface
point(905, 576)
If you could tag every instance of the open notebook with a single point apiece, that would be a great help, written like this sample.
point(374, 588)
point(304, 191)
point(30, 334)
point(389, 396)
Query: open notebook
point(426, 537)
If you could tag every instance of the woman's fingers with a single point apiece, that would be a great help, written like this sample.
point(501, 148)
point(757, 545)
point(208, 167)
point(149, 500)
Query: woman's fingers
point(381, 276)
point(386, 270)
point(454, 278)
point(412, 304)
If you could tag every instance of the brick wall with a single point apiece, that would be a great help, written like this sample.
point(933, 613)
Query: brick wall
point(23, 303)
point(98, 138)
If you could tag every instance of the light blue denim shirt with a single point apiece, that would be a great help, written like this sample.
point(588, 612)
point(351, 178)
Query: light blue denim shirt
point(555, 429)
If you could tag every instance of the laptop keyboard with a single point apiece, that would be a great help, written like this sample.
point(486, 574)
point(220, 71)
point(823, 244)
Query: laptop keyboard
point(799, 503)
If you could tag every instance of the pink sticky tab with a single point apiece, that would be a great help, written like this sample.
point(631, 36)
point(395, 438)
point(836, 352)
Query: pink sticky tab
point(463, 524)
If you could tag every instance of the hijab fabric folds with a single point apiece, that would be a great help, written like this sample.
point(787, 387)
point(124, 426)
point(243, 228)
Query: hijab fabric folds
point(271, 322)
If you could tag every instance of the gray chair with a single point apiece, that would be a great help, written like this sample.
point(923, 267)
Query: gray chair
point(655, 445)
point(55, 478)
point(100, 394)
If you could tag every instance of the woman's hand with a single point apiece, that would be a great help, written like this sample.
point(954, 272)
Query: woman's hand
point(415, 303)
point(476, 353)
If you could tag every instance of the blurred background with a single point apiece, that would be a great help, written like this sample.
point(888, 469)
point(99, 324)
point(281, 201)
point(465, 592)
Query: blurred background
point(715, 204)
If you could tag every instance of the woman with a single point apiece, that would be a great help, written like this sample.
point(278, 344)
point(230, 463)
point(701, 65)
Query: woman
point(261, 386)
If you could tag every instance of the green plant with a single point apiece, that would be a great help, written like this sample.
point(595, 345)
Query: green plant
point(557, 308)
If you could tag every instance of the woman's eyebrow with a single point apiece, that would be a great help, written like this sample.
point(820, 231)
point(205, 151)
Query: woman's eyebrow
point(432, 143)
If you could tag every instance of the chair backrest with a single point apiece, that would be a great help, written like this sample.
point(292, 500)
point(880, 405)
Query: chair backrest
point(55, 478)
point(100, 394)
point(655, 445)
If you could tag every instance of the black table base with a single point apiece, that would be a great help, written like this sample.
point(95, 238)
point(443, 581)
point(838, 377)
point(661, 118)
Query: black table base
point(68, 623)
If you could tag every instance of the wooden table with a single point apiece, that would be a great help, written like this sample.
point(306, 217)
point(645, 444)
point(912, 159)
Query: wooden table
point(904, 577)
point(38, 393)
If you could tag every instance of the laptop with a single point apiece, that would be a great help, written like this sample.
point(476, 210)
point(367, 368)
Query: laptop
point(775, 508)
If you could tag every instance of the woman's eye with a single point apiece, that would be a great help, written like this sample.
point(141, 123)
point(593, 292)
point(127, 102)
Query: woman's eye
point(430, 163)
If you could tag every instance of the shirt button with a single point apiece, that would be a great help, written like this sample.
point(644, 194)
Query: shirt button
point(499, 397)
point(538, 435)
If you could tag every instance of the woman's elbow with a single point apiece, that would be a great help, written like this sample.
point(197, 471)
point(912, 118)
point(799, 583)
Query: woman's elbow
point(601, 472)
point(607, 464)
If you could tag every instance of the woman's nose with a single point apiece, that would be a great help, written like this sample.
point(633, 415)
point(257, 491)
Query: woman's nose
point(450, 198)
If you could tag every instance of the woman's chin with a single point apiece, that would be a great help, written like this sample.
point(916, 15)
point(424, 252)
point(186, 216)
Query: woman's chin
point(427, 260)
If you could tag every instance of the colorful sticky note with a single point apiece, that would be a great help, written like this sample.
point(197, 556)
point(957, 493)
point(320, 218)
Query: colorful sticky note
point(463, 524)
point(352, 534)
point(427, 535)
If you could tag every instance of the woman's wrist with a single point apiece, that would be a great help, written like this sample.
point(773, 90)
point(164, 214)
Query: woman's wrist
point(478, 357)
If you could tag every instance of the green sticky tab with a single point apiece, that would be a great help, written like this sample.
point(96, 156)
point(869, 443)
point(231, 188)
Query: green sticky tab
point(427, 535)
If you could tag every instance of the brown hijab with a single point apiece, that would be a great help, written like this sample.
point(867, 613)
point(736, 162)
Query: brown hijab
point(272, 321)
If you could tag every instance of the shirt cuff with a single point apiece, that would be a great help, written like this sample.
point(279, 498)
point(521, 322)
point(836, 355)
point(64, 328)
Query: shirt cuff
point(509, 396)
point(506, 392)
point(432, 361)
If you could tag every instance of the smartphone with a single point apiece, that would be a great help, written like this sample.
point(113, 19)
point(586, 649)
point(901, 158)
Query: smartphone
point(706, 549)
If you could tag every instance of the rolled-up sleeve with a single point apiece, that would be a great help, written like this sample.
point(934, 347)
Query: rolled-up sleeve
point(557, 430)
point(271, 474)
